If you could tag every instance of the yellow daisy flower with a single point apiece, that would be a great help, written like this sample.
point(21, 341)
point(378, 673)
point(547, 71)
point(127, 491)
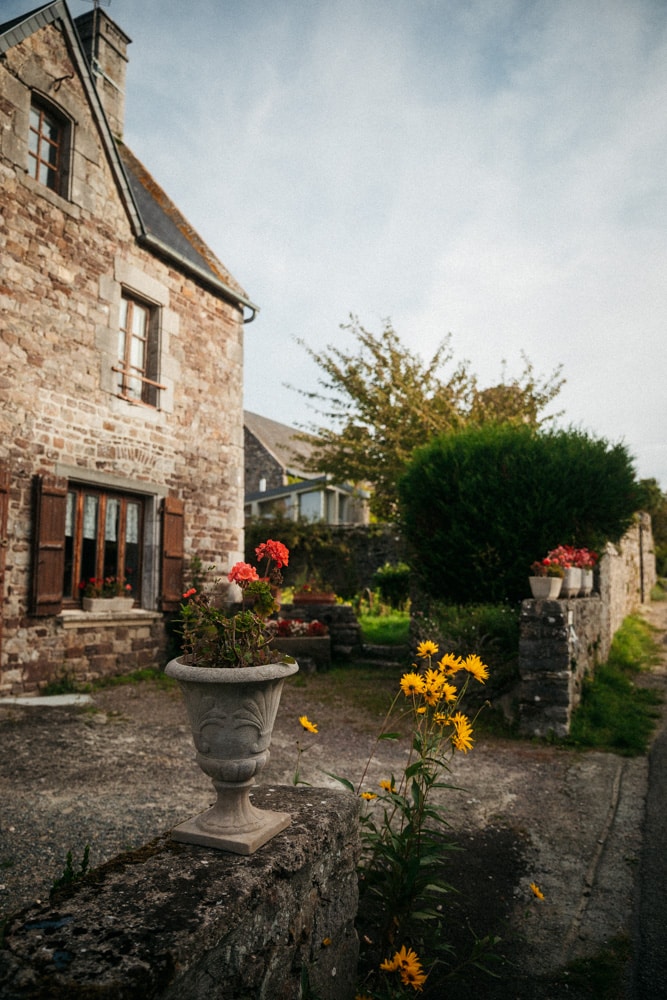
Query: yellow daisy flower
point(368, 796)
point(309, 726)
point(427, 648)
point(462, 737)
point(536, 890)
point(388, 786)
point(449, 692)
point(474, 666)
point(450, 664)
point(412, 684)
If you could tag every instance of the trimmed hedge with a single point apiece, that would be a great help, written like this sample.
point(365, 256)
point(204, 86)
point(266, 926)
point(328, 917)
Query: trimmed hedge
point(478, 507)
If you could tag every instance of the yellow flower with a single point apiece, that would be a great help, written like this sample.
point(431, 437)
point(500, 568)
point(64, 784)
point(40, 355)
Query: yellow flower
point(449, 692)
point(406, 962)
point(368, 796)
point(537, 891)
point(474, 666)
point(450, 664)
point(412, 684)
point(326, 942)
point(309, 726)
point(433, 681)
point(388, 786)
point(427, 648)
point(462, 738)
point(389, 964)
point(442, 718)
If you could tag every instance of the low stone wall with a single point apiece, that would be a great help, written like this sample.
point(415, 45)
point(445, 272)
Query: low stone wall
point(173, 921)
point(312, 652)
point(561, 641)
point(340, 619)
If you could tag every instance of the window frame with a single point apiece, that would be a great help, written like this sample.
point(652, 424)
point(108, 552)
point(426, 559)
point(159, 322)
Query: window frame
point(147, 373)
point(60, 172)
point(74, 573)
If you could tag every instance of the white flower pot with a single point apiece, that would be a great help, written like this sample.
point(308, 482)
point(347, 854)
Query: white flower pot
point(571, 582)
point(545, 588)
point(586, 582)
point(232, 711)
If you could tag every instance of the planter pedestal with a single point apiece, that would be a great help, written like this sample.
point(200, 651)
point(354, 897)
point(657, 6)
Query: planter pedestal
point(232, 711)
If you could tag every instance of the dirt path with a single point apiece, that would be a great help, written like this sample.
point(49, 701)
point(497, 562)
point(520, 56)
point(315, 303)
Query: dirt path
point(122, 772)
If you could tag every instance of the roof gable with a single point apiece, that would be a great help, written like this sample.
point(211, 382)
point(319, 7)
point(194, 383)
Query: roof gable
point(280, 441)
point(155, 220)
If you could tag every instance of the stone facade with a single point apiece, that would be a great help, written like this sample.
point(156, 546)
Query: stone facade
point(66, 261)
point(562, 641)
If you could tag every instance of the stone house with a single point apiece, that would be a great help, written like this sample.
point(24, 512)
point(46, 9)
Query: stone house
point(121, 413)
point(277, 480)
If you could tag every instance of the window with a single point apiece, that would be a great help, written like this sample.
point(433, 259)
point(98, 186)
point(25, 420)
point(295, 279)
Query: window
point(47, 148)
point(138, 352)
point(103, 538)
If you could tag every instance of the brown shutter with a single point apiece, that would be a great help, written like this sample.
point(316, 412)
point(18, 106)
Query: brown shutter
point(172, 553)
point(49, 545)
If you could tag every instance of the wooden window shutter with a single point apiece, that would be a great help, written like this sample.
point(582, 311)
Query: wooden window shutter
point(173, 522)
point(49, 545)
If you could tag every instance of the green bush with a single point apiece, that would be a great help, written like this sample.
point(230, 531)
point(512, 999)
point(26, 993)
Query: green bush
point(393, 582)
point(478, 507)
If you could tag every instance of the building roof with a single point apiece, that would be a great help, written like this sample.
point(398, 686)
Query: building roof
point(154, 218)
point(279, 439)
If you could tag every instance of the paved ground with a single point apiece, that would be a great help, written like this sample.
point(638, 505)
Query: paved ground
point(118, 773)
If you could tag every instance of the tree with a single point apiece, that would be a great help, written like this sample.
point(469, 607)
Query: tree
point(478, 507)
point(381, 401)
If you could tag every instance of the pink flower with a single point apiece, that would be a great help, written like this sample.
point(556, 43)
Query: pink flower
point(242, 573)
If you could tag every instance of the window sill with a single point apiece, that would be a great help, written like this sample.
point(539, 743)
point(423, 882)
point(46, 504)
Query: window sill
point(76, 618)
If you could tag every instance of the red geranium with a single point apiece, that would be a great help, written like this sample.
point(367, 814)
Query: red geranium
point(273, 550)
point(243, 574)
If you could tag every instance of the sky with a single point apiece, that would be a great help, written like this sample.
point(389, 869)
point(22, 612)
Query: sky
point(490, 169)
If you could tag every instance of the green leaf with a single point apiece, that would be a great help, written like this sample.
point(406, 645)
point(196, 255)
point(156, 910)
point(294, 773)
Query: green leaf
point(343, 781)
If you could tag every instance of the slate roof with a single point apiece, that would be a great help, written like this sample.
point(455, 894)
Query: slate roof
point(279, 440)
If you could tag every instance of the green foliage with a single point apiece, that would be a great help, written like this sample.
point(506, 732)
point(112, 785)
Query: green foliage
point(393, 582)
point(380, 401)
point(616, 714)
point(69, 876)
point(654, 502)
point(478, 507)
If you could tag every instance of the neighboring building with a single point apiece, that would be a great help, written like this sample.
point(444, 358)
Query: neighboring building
point(276, 483)
point(121, 344)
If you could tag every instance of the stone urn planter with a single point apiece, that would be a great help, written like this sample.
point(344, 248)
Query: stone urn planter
point(232, 711)
point(115, 604)
point(545, 588)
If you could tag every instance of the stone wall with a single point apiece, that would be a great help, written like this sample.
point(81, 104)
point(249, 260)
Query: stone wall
point(177, 922)
point(562, 641)
point(340, 619)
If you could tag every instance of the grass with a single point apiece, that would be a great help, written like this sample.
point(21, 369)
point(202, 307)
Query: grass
point(67, 684)
point(615, 713)
point(369, 688)
point(389, 629)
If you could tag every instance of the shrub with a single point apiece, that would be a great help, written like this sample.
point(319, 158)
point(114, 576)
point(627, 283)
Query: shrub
point(478, 507)
point(393, 582)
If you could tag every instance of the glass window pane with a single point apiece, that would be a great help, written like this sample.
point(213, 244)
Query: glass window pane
point(137, 354)
point(138, 321)
point(90, 505)
point(111, 520)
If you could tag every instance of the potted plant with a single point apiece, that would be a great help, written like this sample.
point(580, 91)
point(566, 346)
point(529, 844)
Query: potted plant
point(565, 556)
point(232, 680)
point(109, 593)
point(585, 560)
point(313, 592)
point(546, 579)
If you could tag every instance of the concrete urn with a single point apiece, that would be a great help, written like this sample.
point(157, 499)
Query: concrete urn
point(232, 712)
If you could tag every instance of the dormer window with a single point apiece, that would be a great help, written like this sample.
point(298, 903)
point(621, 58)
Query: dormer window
point(47, 147)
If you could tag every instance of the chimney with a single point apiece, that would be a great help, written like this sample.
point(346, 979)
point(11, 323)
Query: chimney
point(105, 46)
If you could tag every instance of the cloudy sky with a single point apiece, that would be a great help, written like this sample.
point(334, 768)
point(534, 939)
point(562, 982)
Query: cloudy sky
point(493, 169)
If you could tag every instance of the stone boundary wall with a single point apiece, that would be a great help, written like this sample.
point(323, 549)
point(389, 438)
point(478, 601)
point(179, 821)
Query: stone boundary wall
point(340, 619)
point(561, 641)
point(173, 921)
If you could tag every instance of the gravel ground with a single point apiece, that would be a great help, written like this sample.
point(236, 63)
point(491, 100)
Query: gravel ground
point(119, 772)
